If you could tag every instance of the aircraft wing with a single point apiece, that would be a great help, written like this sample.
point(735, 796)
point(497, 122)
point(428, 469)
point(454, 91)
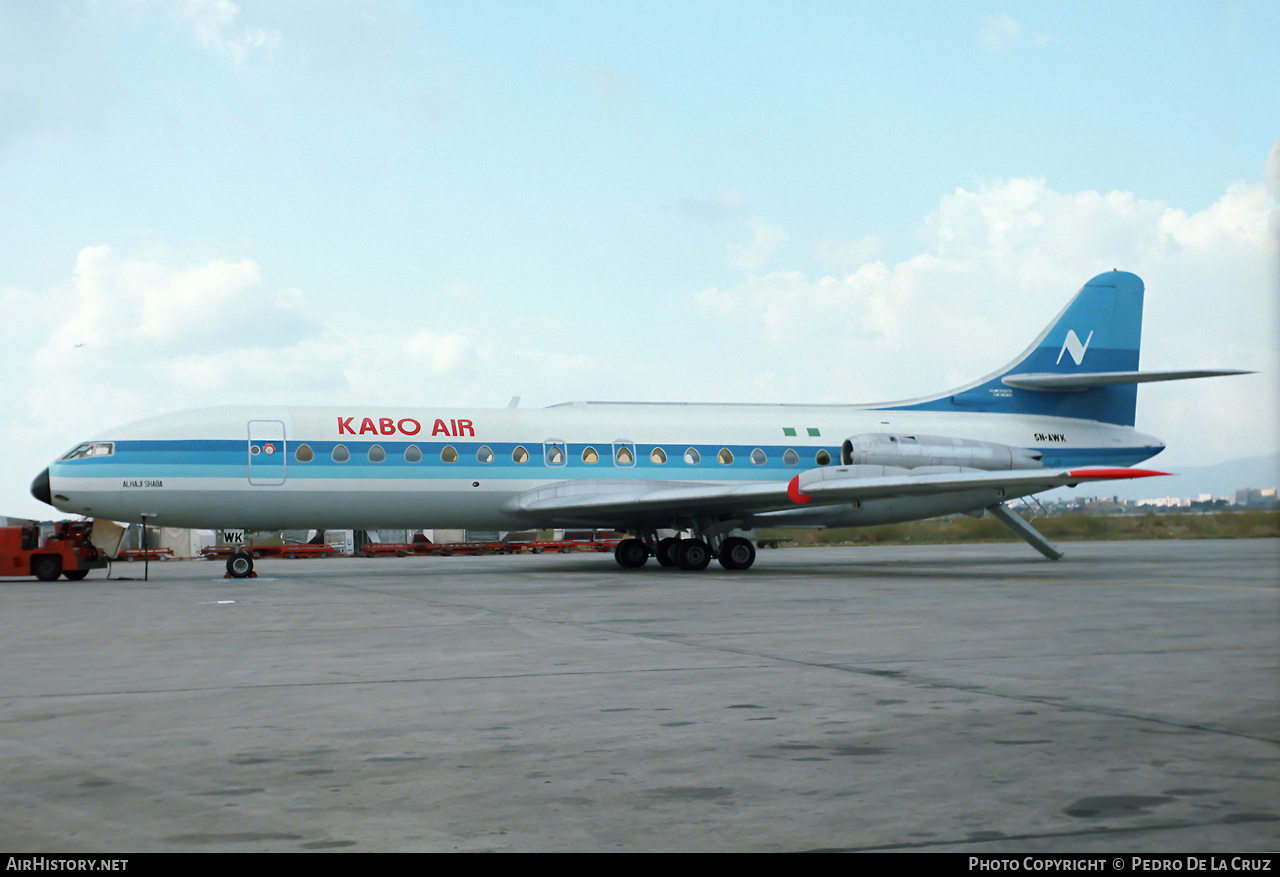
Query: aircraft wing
point(1074, 382)
point(639, 503)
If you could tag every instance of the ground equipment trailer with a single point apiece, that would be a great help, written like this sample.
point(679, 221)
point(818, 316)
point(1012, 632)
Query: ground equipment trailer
point(68, 552)
point(289, 550)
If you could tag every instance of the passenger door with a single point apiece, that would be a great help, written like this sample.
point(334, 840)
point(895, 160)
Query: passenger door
point(267, 452)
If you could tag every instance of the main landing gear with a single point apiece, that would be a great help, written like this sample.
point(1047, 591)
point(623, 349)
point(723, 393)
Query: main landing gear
point(733, 552)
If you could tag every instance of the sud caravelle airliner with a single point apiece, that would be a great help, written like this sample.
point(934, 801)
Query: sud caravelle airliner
point(1062, 413)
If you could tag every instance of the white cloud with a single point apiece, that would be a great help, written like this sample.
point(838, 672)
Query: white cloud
point(765, 240)
point(729, 209)
point(214, 25)
point(848, 254)
point(1000, 33)
point(603, 80)
point(129, 305)
point(722, 207)
point(1000, 262)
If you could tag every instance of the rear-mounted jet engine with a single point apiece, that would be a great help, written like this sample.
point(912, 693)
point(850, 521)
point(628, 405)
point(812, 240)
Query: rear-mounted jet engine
point(910, 451)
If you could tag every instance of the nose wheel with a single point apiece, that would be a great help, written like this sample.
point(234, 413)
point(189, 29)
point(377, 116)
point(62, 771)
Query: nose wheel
point(240, 566)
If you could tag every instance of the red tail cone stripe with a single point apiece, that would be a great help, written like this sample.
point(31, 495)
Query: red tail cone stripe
point(1115, 473)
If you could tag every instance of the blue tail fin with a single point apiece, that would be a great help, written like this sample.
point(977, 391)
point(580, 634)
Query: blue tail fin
point(1065, 372)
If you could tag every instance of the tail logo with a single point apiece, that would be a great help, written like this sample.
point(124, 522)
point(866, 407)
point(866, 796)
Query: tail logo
point(1073, 346)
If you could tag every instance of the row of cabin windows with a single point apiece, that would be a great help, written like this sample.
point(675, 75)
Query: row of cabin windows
point(556, 455)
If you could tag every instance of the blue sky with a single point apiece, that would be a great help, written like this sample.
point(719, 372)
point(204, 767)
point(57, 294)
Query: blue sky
point(420, 203)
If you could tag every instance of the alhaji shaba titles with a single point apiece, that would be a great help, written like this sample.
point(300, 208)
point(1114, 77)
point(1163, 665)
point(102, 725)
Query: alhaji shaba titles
point(684, 481)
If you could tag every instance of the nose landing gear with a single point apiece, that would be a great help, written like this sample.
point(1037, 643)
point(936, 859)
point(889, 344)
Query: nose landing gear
point(240, 566)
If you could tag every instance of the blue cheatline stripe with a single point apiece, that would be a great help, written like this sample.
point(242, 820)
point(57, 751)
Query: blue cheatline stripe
point(229, 459)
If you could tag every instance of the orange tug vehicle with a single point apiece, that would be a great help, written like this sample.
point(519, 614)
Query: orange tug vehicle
point(68, 552)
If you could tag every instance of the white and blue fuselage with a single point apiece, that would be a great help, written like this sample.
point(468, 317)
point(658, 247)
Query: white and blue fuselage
point(342, 468)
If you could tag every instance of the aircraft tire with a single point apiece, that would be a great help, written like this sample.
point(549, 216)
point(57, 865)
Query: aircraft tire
point(631, 553)
point(737, 553)
point(693, 554)
point(240, 565)
point(666, 552)
point(75, 575)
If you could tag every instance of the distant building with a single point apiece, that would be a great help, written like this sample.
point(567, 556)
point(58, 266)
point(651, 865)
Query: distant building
point(1248, 496)
point(1165, 502)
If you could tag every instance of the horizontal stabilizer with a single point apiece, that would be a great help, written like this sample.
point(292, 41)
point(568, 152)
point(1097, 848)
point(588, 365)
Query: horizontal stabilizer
point(1088, 380)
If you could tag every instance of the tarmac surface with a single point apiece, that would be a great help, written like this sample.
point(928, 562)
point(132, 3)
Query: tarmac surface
point(965, 699)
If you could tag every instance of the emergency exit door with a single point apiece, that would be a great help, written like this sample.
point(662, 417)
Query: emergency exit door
point(266, 452)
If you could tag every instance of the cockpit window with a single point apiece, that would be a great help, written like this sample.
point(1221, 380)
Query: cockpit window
point(90, 449)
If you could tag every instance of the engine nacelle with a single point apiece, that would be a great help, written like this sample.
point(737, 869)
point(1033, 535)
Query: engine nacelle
point(910, 451)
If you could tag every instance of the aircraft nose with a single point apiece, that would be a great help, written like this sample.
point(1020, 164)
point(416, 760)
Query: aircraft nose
point(40, 488)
